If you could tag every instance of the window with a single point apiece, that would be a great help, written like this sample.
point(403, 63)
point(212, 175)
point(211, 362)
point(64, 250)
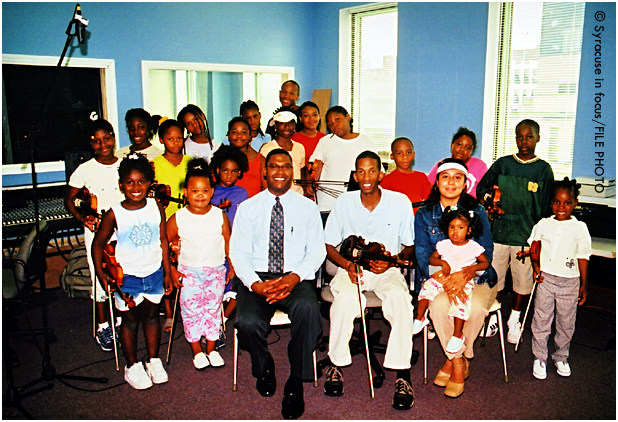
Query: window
point(218, 89)
point(82, 86)
point(540, 43)
point(368, 71)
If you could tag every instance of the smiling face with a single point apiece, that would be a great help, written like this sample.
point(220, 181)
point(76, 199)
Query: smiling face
point(198, 193)
point(288, 94)
point(451, 184)
point(135, 187)
point(239, 135)
point(368, 175)
point(285, 129)
point(526, 140)
point(562, 204)
point(310, 118)
point(462, 148)
point(279, 174)
point(102, 142)
point(173, 140)
point(458, 230)
point(138, 133)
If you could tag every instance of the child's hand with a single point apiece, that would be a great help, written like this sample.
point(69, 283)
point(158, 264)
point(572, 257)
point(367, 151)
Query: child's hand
point(538, 277)
point(446, 269)
point(90, 221)
point(176, 278)
point(583, 295)
point(230, 275)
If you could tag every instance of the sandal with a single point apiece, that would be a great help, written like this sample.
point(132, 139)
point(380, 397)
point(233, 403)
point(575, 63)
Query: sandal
point(456, 389)
point(167, 326)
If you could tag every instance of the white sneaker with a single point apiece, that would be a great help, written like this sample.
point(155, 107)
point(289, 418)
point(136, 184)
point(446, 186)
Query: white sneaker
point(492, 329)
point(539, 370)
point(513, 334)
point(200, 361)
point(137, 377)
point(215, 359)
point(419, 325)
point(455, 344)
point(155, 371)
point(564, 370)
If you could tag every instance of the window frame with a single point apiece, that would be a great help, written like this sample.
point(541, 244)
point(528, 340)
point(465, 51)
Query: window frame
point(107, 68)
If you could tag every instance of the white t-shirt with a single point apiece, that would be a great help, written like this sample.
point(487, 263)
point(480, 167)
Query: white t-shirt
point(339, 158)
point(101, 180)
point(298, 159)
point(195, 150)
point(562, 244)
point(138, 250)
point(459, 256)
point(201, 238)
point(151, 152)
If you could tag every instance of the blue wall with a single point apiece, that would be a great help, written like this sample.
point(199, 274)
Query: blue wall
point(585, 151)
point(440, 75)
point(441, 62)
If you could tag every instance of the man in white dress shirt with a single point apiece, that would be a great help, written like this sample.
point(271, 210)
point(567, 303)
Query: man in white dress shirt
point(262, 287)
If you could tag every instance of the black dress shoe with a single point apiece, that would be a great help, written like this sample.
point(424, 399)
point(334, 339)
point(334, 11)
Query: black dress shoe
point(267, 384)
point(293, 405)
point(333, 385)
point(404, 396)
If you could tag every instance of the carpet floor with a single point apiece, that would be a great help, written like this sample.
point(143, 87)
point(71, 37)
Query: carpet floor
point(590, 392)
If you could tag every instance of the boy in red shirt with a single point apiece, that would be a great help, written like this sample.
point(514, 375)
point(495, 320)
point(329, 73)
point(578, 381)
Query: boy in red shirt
point(414, 184)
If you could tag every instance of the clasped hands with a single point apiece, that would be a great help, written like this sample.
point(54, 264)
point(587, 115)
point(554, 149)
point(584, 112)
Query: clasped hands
point(375, 266)
point(454, 284)
point(276, 289)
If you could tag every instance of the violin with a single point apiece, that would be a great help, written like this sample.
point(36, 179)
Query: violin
point(86, 204)
point(225, 204)
point(174, 251)
point(356, 250)
point(163, 193)
point(114, 274)
point(492, 203)
point(534, 252)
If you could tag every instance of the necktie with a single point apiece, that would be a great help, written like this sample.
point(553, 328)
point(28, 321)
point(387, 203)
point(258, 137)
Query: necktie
point(275, 242)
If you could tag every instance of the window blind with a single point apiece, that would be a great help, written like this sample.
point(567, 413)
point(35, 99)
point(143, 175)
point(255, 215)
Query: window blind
point(537, 78)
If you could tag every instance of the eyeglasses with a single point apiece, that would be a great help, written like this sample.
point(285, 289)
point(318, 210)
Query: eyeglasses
point(283, 167)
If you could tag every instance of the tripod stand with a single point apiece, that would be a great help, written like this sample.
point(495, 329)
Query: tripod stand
point(14, 394)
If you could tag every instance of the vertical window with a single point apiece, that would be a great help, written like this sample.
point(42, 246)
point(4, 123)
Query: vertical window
point(372, 71)
point(535, 76)
point(218, 89)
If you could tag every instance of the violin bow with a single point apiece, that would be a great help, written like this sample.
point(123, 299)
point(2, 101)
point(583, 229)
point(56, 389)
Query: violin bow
point(362, 314)
point(523, 324)
point(112, 322)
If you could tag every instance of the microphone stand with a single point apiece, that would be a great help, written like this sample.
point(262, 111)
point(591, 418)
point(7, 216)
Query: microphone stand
point(14, 394)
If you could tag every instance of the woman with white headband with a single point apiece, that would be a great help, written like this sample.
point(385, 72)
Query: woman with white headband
point(449, 190)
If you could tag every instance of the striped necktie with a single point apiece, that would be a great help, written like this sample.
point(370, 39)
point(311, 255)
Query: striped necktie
point(275, 241)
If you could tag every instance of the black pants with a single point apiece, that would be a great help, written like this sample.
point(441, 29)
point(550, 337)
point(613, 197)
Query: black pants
point(253, 323)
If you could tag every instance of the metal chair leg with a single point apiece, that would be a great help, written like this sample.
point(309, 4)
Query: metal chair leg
point(506, 375)
point(235, 384)
point(171, 340)
point(425, 335)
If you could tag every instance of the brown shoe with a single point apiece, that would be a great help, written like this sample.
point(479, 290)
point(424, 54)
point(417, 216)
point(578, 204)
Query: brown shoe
point(441, 380)
point(454, 389)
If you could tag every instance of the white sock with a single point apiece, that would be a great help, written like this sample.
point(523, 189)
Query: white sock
point(103, 325)
point(514, 318)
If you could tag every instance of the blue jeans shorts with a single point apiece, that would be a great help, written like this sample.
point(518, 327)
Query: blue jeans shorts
point(149, 287)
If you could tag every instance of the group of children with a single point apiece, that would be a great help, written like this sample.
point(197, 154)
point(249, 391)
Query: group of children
point(212, 179)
